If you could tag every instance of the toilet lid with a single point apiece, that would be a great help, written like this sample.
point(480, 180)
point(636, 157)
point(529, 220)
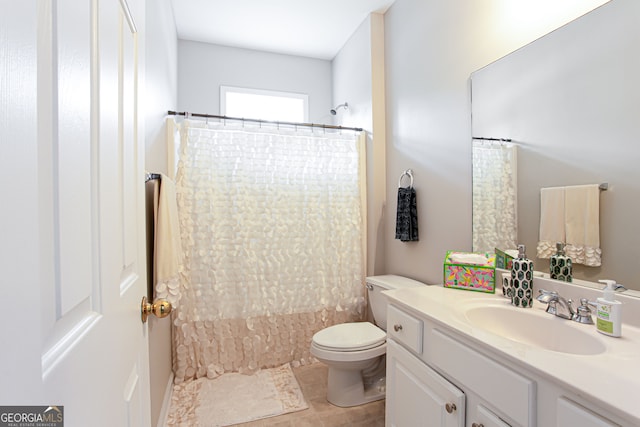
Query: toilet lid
point(350, 336)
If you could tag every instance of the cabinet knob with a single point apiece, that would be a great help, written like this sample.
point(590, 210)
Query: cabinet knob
point(450, 407)
point(477, 425)
point(397, 328)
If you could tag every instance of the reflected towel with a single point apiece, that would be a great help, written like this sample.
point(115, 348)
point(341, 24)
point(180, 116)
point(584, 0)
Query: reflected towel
point(552, 222)
point(582, 224)
point(571, 215)
point(168, 247)
point(407, 215)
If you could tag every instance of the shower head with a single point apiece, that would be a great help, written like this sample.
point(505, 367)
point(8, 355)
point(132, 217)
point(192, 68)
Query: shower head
point(335, 110)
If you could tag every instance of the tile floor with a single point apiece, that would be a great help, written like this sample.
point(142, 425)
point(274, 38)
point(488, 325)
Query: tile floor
point(313, 382)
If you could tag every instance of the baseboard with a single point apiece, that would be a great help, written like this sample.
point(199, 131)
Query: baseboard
point(166, 403)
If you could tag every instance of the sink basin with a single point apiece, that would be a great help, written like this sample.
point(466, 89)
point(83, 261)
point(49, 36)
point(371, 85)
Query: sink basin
point(536, 328)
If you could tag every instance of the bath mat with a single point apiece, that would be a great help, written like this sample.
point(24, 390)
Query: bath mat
point(235, 398)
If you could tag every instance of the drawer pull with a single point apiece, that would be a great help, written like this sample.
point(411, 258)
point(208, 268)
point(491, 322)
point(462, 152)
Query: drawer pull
point(477, 425)
point(450, 407)
point(397, 328)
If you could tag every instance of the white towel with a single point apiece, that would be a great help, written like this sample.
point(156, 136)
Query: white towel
point(571, 215)
point(168, 248)
point(552, 222)
point(582, 224)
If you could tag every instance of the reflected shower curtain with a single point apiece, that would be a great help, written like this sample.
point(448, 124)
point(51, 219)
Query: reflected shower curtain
point(272, 229)
point(495, 222)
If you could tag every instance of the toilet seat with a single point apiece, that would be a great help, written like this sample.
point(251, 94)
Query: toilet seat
point(350, 337)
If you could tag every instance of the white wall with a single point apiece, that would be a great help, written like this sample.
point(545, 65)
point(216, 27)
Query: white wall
point(358, 78)
point(431, 48)
point(160, 96)
point(351, 71)
point(203, 68)
point(162, 80)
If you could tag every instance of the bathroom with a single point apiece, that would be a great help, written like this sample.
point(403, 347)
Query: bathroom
point(427, 110)
point(419, 118)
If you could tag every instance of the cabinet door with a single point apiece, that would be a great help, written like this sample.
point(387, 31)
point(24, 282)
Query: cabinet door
point(486, 418)
point(419, 396)
point(571, 414)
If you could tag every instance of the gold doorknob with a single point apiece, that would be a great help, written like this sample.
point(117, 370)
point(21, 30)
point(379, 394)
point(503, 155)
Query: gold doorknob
point(161, 308)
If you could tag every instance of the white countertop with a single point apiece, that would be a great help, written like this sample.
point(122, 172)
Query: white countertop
point(612, 378)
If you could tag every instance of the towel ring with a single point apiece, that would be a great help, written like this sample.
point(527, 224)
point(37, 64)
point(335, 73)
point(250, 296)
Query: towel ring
point(408, 173)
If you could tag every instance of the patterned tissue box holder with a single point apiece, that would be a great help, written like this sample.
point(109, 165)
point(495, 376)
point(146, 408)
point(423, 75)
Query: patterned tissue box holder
point(479, 277)
point(505, 258)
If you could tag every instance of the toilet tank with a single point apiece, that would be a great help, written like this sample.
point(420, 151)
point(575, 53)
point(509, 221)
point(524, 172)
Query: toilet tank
point(377, 301)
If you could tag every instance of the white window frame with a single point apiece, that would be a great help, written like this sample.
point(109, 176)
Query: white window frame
point(225, 89)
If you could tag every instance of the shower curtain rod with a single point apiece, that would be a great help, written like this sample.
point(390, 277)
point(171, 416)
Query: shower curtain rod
point(215, 116)
point(491, 139)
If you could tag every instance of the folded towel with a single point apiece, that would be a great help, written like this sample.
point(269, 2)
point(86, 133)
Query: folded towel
point(571, 215)
point(582, 222)
point(552, 222)
point(407, 215)
point(168, 247)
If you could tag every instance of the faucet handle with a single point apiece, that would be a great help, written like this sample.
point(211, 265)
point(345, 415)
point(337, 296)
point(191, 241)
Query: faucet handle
point(544, 293)
point(583, 313)
point(550, 298)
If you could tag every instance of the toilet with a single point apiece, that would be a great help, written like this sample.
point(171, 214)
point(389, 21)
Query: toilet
point(355, 352)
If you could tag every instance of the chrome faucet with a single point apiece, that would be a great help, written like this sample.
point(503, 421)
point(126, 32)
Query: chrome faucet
point(556, 305)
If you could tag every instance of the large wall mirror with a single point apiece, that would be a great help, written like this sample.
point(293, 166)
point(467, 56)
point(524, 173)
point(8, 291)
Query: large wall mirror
point(570, 103)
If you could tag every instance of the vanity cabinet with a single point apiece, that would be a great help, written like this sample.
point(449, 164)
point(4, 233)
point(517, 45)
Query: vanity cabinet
point(432, 379)
point(438, 377)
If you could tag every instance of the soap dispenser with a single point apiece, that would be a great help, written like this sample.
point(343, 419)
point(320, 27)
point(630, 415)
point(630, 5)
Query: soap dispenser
point(522, 280)
point(560, 265)
point(609, 311)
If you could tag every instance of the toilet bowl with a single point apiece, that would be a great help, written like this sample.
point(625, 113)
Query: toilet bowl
point(355, 352)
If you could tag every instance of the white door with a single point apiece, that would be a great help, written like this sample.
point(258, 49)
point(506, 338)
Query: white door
point(71, 233)
point(486, 418)
point(417, 396)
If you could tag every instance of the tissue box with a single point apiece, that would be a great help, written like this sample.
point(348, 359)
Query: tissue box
point(461, 271)
point(505, 258)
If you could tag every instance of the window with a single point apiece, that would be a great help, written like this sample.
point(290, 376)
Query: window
point(264, 104)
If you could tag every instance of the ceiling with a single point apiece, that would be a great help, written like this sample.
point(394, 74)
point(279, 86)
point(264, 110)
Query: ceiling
point(312, 28)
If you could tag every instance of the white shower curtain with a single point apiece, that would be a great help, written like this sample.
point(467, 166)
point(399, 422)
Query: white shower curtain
point(495, 222)
point(272, 228)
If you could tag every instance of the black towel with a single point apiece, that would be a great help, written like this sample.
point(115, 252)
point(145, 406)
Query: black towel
point(407, 215)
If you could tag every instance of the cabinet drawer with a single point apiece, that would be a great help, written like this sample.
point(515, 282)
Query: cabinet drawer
point(404, 328)
point(570, 413)
point(493, 382)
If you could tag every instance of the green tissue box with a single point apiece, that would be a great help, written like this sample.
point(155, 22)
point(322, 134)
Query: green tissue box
point(472, 271)
point(504, 258)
